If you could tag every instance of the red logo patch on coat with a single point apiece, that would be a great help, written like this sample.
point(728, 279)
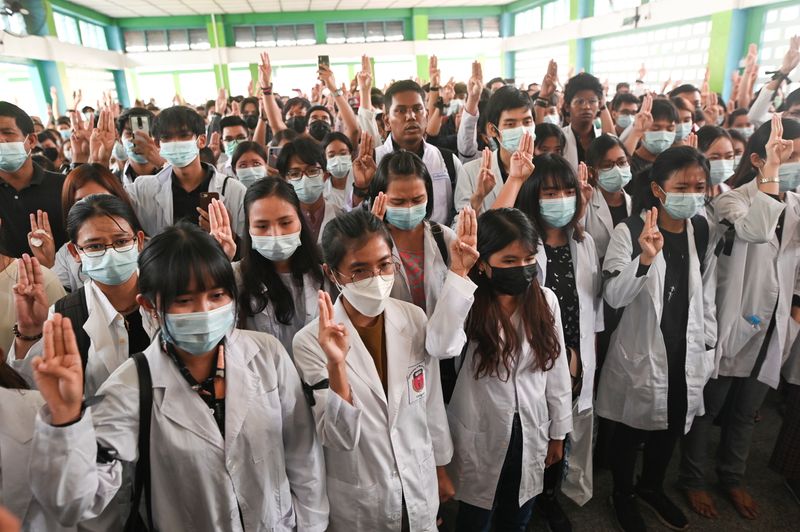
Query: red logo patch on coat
point(418, 380)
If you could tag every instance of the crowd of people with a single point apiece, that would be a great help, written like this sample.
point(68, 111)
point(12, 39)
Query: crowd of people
point(353, 309)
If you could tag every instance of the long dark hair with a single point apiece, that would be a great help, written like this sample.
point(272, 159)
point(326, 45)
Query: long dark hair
point(261, 284)
point(90, 173)
point(757, 144)
point(499, 346)
point(550, 167)
point(99, 205)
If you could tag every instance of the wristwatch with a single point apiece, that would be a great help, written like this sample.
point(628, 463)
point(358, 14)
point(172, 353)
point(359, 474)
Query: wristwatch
point(337, 92)
point(765, 180)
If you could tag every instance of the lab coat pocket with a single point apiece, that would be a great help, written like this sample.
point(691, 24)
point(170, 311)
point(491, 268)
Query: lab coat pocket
point(542, 435)
point(791, 336)
point(263, 425)
point(471, 450)
point(709, 365)
point(636, 367)
point(744, 331)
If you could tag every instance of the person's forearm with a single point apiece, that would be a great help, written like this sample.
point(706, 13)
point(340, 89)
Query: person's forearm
point(365, 96)
point(633, 141)
point(337, 380)
point(508, 194)
point(274, 118)
point(607, 122)
point(539, 113)
point(471, 105)
point(260, 133)
point(434, 123)
point(348, 118)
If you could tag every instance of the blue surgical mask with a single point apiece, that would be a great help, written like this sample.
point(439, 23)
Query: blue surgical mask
point(340, 166)
point(248, 176)
point(682, 130)
point(231, 146)
point(721, 170)
point(135, 157)
point(198, 332)
point(308, 189)
point(557, 212)
point(276, 248)
point(181, 153)
point(406, 218)
point(789, 174)
point(65, 133)
point(615, 179)
point(683, 206)
point(658, 141)
point(510, 138)
point(552, 119)
point(113, 267)
point(746, 132)
point(624, 121)
point(12, 156)
point(120, 153)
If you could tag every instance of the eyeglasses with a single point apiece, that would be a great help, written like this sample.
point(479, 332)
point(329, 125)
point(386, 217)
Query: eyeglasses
point(98, 250)
point(580, 102)
point(608, 165)
point(295, 175)
point(363, 274)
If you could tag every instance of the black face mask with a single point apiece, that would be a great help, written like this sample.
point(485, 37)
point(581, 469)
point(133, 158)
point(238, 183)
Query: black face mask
point(51, 153)
point(298, 123)
point(251, 121)
point(513, 281)
point(318, 129)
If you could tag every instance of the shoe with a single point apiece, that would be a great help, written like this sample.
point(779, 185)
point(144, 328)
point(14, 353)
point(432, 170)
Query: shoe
point(556, 518)
point(666, 511)
point(627, 513)
point(793, 485)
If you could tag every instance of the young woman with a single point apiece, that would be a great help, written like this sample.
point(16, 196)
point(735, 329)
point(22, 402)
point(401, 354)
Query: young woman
point(105, 241)
point(510, 410)
point(402, 196)
point(716, 144)
point(549, 138)
point(85, 180)
point(757, 277)
point(302, 163)
point(249, 162)
point(739, 145)
point(377, 398)
point(339, 155)
point(660, 355)
point(236, 448)
point(685, 123)
point(280, 274)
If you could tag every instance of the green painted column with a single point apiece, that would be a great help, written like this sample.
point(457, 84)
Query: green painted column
point(320, 33)
point(580, 50)
point(46, 74)
point(419, 32)
point(254, 76)
point(216, 38)
point(727, 42)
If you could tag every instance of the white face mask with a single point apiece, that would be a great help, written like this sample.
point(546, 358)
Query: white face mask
point(276, 248)
point(368, 296)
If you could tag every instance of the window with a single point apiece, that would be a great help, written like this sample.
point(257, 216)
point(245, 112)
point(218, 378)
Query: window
point(555, 14)
point(603, 7)
point(271, 36)
point(163, 40)
point(528, 21)
point(781, 23)
point(66, 28)
point(530, 66)
point(470, 28)
point(361, 32)
point(13, 24)
point(93, 35)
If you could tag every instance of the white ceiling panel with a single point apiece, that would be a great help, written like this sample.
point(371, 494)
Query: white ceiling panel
point(160, 8)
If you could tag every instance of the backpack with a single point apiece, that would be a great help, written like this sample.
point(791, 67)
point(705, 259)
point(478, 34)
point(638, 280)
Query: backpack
point(447, 367)
point(73, 306)
point(134, 522)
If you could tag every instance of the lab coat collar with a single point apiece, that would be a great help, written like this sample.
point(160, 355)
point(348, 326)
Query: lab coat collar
point(242, 385)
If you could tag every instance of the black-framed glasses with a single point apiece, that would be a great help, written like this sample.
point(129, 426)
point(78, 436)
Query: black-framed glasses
point(296, 175)
point(120, 245)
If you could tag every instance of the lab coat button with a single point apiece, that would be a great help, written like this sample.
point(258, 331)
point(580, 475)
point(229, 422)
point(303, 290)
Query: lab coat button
point(690, 339)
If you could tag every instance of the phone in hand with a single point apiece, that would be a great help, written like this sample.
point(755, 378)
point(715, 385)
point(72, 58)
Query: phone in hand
point(272, 156)
point(324, 60)
point(140, 123)
point(205, 199)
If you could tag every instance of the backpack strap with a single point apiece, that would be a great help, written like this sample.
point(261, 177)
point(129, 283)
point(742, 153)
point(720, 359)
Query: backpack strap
point(635, 226)
point(438, 236)
point(73, 306)
point(449, 163)
point(224, 185)
point(142, 479)
point(700, 226)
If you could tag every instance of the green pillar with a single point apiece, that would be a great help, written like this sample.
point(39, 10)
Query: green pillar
point(254, 77)
point(419, 32)
point(46, 74)
point(727, 41)
point(216, 38)
point(320, 33)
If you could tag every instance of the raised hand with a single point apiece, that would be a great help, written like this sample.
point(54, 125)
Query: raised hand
point(778, 149)
point(364, 76)
point(102, 139)
point(486, 178)
point(265, 71)
point(792, 57)
point(644, 120)
point(691, 140)
point(220, 227)
point(710, 108)
point(522, 159)
point(40, 239)
point(651, 241)
point(30, 299)
point(236, 109)
point(59, 373)
point(379, 205)
point(145, 146)
point(333, 337)
point(221, 103)
point(464, 249)
point(81, 131)
point(586, 190)
point(364, 166)
point(548, 86)
point(433, 71)
point(642, 72)
point(214, 144)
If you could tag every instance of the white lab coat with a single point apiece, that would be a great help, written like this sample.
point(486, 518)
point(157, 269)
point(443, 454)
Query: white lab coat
point(598, 221)
point(435, 269)
point(384, 448)
point(68, 270)
point(339, 198)
point(442, 186)
point(571, 147)
point(468, 181)
point(268, 466)
point(17, 415)
point(151, 196)
point(758, 274)
point(481, 414)
point(266, 321)
point(331, 212)
point(633, 381)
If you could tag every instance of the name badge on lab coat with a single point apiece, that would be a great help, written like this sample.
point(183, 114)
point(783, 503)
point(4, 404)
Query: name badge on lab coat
point(416, 382)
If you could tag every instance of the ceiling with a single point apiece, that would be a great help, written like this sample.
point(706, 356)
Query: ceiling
point(160, 8)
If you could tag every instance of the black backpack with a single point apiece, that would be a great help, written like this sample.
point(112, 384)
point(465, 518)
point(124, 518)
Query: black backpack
point(73, 306)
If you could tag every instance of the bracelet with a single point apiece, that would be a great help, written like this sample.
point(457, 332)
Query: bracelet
point(337, 92)
point(267, 90)
point(21, 336)
point(541, 102)
point(778, 75)
point(765, 180)
point(434, 89)
point(360, 192)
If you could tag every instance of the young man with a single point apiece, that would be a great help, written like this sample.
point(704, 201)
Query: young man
point(143, 154)
point(174, 193)
point(233, 131)
point(657, 133)
point(406, 118)
point(582, 97)
point(24, 186)
point(623, 110)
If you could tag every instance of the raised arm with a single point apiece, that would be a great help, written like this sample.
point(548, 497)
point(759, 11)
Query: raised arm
point(270, 105)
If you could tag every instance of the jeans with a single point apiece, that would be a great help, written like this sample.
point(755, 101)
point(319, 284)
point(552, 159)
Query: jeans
point(658, 447)
point(510, 517)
